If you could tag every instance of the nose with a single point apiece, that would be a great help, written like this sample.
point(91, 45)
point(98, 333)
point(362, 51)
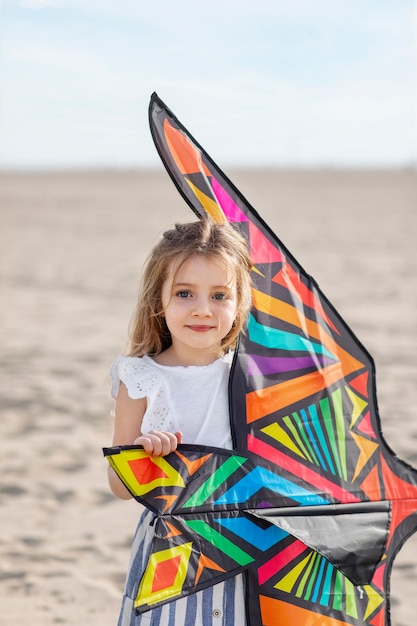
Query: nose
point(202, 307)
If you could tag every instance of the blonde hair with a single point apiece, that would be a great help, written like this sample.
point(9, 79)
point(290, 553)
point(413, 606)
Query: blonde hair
point(148, 331)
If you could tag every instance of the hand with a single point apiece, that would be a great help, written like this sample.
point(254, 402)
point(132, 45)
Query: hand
point(159, 442)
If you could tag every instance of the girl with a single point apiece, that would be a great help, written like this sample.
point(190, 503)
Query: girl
point(194, 300)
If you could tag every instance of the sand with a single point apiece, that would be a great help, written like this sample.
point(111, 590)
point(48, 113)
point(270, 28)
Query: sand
point(71, 248)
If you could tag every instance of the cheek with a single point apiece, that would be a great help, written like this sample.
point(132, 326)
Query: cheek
point(229, 313)
point(175, 310)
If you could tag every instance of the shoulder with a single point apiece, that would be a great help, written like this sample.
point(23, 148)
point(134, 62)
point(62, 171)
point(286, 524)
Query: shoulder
point(126, 364)
point(137, 374)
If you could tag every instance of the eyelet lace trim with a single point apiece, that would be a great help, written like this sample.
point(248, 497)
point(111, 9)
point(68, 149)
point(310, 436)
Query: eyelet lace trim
point(143, 382)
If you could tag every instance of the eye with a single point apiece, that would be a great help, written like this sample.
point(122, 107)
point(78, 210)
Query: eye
point(183, 294)
point(219, 296)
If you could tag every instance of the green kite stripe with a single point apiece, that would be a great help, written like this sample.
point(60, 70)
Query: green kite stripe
point(215, 480)
point(219, 541)
point(328, 423)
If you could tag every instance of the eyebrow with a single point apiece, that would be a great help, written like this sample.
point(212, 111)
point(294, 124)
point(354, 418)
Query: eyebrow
point(181, 284)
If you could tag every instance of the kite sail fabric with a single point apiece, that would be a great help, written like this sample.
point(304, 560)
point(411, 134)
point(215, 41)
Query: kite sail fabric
point(311, 503)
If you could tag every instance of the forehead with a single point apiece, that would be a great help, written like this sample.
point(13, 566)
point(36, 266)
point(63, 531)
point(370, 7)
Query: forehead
point(213, 269)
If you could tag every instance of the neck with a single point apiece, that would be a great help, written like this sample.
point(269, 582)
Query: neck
point(172, 357)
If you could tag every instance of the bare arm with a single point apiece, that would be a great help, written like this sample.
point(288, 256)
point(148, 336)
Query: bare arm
point(128, 416)
point(127, 431)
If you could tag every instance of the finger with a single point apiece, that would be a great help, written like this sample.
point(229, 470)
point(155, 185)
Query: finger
point(163, 442)
point(158, 443)
point(169, 442)
point(179, 436)
point(147, 442)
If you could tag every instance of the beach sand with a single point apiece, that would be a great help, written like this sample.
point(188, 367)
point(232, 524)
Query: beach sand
point(72, 245)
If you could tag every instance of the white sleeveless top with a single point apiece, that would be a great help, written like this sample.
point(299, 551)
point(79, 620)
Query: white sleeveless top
point(192, 399)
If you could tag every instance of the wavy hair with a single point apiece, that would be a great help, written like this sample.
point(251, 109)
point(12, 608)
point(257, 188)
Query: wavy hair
point(149, 333)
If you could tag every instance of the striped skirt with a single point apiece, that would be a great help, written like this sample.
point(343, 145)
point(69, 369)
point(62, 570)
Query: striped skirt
point(220, 605)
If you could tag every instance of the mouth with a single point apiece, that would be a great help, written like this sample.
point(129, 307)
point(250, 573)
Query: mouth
point(200, 328)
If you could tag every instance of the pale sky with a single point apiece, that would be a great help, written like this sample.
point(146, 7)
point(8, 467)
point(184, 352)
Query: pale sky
point(261, 83)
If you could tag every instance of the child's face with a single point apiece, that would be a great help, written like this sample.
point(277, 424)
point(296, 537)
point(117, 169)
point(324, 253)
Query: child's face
point(199, 302)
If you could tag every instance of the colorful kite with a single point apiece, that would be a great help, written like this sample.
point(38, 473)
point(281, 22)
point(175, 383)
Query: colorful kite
point(311, 503)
